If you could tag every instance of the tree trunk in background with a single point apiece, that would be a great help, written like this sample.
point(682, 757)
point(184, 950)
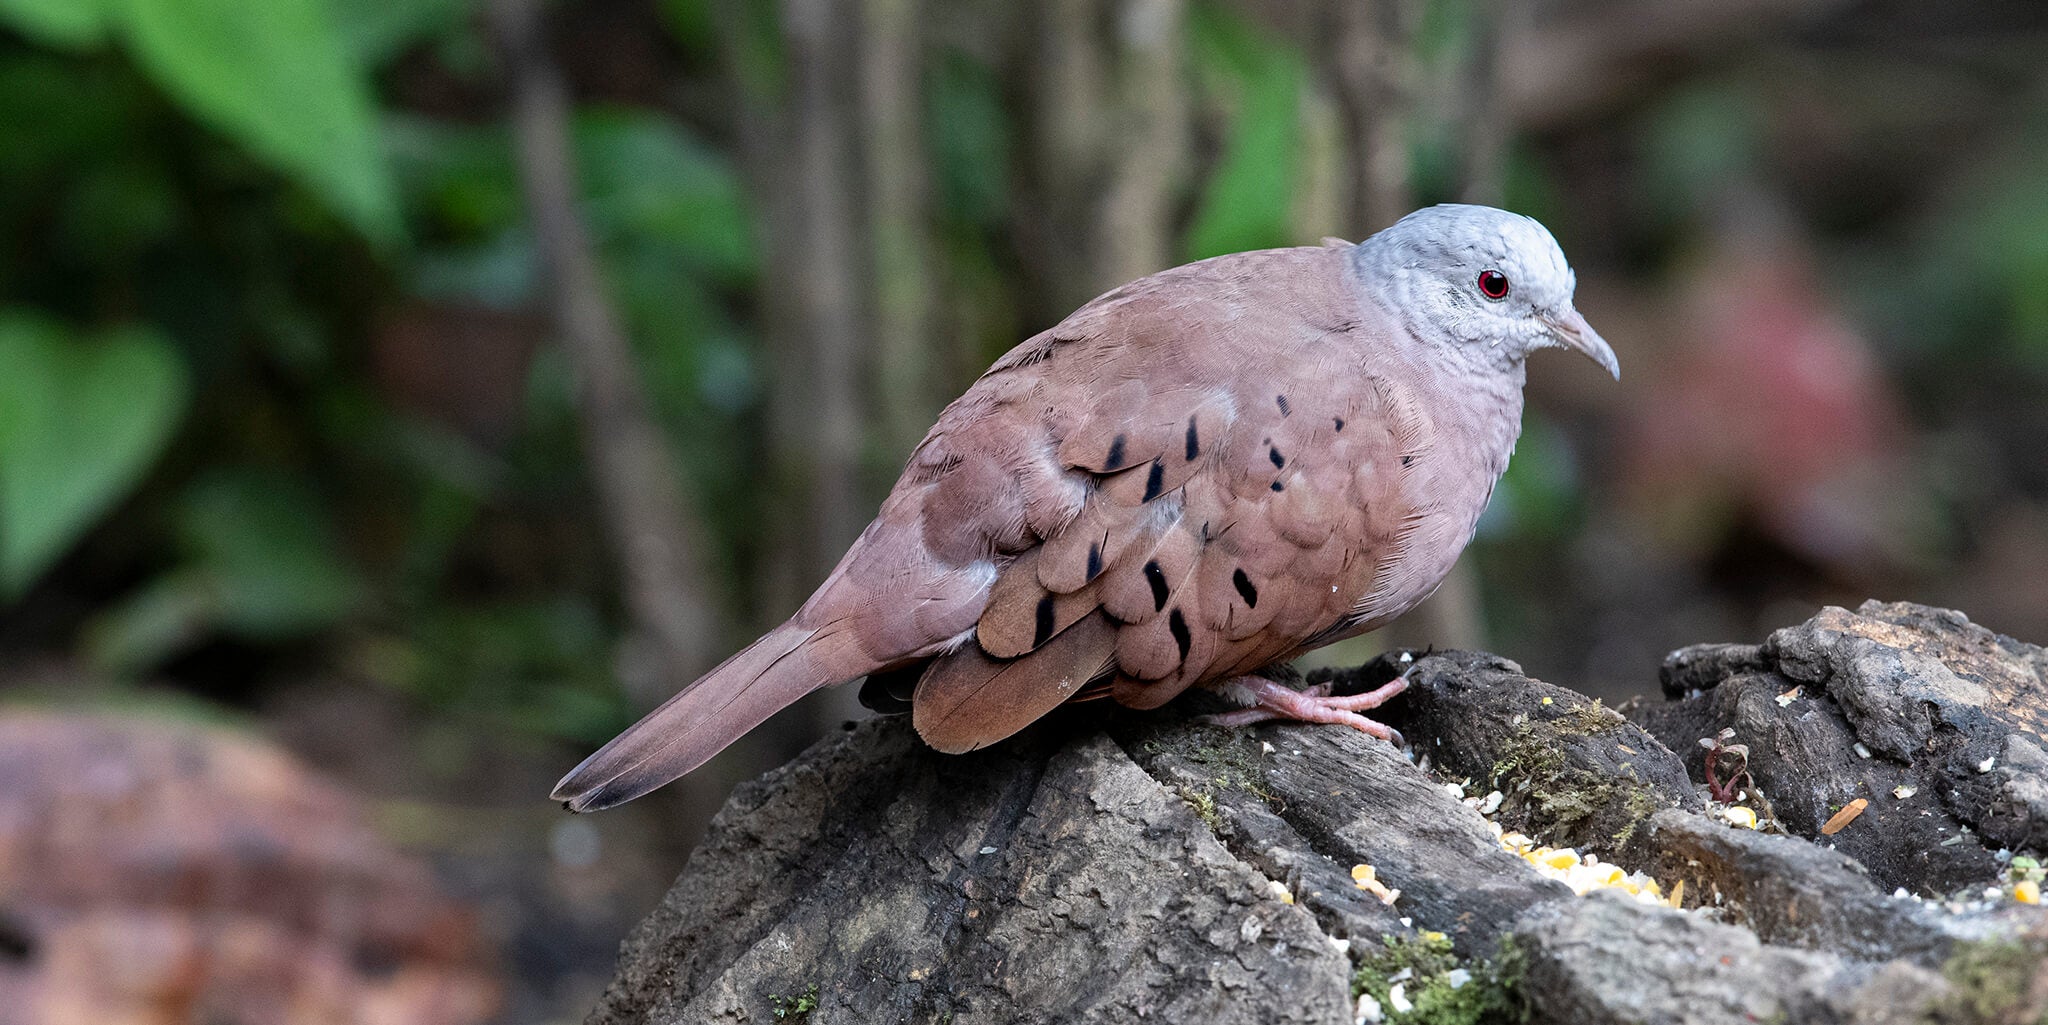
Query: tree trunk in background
point(1106, 146)
point(639, 489)
point(1147, 151)
point(1369, 57)
point(910, 383)
point(818, 335)
point(1480, 112)
point(1064, 62)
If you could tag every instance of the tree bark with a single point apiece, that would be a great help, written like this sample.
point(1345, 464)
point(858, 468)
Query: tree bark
point(1161, 869)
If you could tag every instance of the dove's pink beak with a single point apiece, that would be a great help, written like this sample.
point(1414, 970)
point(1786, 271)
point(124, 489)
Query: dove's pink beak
point(1571, 331)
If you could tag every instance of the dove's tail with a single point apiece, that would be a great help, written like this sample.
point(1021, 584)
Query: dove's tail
point(700, 720)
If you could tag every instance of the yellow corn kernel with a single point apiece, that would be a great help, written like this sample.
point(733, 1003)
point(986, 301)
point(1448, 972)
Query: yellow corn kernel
point(2027, 891)
point(1741, 817)
point(1562, 858)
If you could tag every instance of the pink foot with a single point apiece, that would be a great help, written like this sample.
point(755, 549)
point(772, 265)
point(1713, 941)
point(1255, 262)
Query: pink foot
point(1275, 700)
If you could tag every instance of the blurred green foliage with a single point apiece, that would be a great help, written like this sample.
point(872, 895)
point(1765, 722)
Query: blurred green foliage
point(276, 374)
point(80, 421)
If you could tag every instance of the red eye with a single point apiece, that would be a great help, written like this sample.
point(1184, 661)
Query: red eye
point(1493, 284)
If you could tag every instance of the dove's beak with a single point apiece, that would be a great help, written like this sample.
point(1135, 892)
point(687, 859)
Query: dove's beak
point(1571, 331)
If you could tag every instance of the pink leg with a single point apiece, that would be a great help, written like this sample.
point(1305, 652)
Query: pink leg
point(1274, 700)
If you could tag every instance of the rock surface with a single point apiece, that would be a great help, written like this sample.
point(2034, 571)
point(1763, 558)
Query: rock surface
point(1153, 868)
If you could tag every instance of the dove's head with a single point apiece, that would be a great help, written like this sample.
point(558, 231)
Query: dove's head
point(1490, 284)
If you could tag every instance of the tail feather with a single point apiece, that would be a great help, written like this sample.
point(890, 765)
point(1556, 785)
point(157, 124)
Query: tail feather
point(699, 721)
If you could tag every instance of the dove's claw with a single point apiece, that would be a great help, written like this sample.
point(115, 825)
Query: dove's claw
point(1270, 699)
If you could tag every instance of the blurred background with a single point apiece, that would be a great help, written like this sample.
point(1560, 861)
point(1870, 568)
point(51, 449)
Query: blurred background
point(399, 396)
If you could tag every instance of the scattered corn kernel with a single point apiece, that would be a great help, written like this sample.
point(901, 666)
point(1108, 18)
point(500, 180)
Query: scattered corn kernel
point(1583, 873)
point(1740, 817)
point(2027, 891)
point(1367, 879)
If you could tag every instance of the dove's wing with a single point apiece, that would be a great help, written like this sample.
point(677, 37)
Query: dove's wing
point(1238, 478)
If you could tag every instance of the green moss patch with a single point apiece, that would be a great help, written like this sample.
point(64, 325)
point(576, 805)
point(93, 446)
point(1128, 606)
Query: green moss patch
point(1436, 987)
point(1561, 803)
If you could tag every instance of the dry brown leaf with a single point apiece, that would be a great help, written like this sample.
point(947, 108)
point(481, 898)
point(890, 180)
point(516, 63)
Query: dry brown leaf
point(1847, 815)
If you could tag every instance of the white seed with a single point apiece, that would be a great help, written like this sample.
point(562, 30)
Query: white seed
point(1369, 1012)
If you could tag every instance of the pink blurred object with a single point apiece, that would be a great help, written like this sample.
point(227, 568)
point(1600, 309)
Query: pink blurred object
point(1774, 409)
point(160, 872)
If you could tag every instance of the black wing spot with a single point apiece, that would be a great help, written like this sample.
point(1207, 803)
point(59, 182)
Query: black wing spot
point(1157, 578)
point(1279, 460)
point(1042, 632)
point(1115, 459)
point(1094, 559)
point(1277, 486)
point(1245, 589)
point(1281, 401)
point(1405, 460)
point(17, 943)
point(1194, 441)
point(1154, 481)
point(1340, 424)
point(1178, 624)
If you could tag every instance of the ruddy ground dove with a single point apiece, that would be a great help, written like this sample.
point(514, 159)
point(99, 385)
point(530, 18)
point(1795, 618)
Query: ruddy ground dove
point(1200, 474)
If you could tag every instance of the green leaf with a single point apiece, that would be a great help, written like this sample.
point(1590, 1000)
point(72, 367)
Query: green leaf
point(279, 78)
point(80, 421)
point(1244, 204)
point(75, 24)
